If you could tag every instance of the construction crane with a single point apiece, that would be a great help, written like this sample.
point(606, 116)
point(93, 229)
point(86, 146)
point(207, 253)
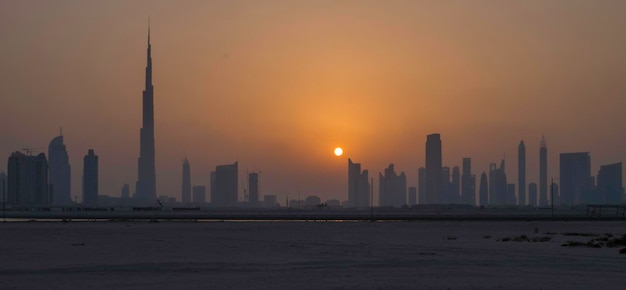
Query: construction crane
point(29, 150)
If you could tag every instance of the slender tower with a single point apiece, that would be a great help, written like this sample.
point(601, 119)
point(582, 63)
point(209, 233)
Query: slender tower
point(146, 181)
point(521, 174)
point(186, 190)
point(434, 180)
point(543, 172)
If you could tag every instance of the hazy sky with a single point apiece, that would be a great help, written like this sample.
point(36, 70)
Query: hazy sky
point(278, 84)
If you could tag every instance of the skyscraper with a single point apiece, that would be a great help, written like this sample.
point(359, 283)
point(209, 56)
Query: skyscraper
point(253, 187)
point(456, 185)
point(358, 185)
point(199, 194)
point(125, 191)
point(186, 190)
point(226, 185)
point(532, 194)
point(90, 179)
point(468, 183)
point(27, 180)
point(497, 184)
point(543, 173)
point(521, 174)
point(421, 185)
point(60, 172)
point(412, 195)
point(484, 190)
point(392, 188)
point(3, 186)
point(575, 178)
point(146, 181)
point(433, 168)
point(610, 183)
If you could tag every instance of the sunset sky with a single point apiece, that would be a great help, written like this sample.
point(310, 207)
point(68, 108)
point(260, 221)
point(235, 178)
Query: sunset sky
point(277, 85)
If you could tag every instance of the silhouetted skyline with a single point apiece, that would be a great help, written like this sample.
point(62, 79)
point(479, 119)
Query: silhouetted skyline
point(374, 83)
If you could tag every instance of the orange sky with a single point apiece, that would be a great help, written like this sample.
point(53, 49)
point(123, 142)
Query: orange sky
point(278, 84)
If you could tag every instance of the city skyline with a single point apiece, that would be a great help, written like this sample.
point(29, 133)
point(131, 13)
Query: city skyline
point(228, 116)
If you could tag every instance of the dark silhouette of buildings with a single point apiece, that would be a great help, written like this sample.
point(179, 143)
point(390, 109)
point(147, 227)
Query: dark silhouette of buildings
point(253, 187)
point(433, 168)
point(225, 185)
point(125, 191)
point(412, 195)
point(450, 185)
point(27, 180)
point(146, 181)
point(186, 186)
point(510, 194)
point(610, 183)
point(392, 188)
point(60, 172)
point(455, 190)
point(497, 184)
point(90, 179)
point(484, 190)
point(543, 172)
point(575, 178)
point(521, 174)
point(532, 194)
point(554, 194)
point(358, 186)
point(468, 183)
point(421, 183)
point(3, 186)
point(199, 194)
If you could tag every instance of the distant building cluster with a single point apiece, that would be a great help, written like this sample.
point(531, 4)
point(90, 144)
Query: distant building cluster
point(436, 184)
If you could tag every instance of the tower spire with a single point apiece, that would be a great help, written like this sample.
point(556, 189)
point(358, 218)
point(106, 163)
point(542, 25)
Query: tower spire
point(148, 30)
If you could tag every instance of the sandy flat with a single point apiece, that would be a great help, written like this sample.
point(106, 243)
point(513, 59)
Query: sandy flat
point(306, 255)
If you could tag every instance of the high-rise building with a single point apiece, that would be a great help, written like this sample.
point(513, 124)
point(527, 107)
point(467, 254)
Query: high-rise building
point(468, 183)
point(358, 186)
point(532, 194)
point(421, 183)
point(433, 168)
point(554, 194)
point(199, 194)
point(212, 189)
point(3, 186)
point(125, 191)
point(610, 183)
point(412, 196)
point(146, 179)
point(497, 184)
point(226, 186)
point(392, 188)
point(484, 190)
point(446, 196)
point(253, 186)
point(543, 172)
point(521, 174)
point(575, 178)
point(27, 180)
point(60, 172)
point(455, 185)
point(186, 188)
point(510, 194)
point(90, 179)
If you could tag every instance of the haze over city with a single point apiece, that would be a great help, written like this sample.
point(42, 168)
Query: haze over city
point(277, 85)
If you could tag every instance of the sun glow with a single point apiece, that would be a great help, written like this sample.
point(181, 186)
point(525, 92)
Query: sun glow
point(338, 151)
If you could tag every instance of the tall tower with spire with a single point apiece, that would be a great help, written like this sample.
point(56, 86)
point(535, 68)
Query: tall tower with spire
point(521, 174)
point(543, 172)
point(146, 177)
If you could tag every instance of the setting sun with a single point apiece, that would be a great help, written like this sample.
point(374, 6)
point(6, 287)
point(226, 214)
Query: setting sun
point(338, 151)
